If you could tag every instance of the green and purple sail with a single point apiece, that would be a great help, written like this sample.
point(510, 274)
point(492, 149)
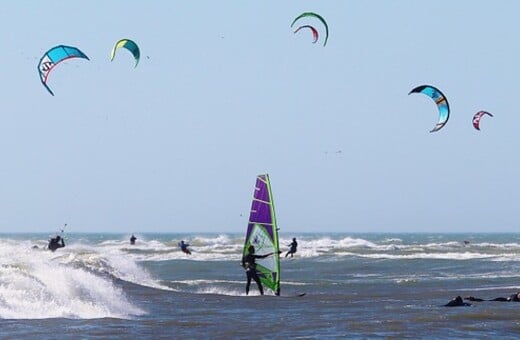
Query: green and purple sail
point(262, 233)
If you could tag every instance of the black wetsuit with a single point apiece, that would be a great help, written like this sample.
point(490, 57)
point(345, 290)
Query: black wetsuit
point(293, 246)
point(54, 243)
point(249, 264)
point(132, 239)
point(184, 247)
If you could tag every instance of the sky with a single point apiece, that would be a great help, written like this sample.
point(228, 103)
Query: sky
point(225, 91)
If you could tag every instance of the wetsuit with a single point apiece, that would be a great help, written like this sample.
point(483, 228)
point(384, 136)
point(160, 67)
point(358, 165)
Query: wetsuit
point(293, 246)
point(184, 247)
point(132, 239)
point(54, 243)
point(249, 264)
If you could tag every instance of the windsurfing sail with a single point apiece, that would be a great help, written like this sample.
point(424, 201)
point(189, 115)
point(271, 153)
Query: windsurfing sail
point(262, 233)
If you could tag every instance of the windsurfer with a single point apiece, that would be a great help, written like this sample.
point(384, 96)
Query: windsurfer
point(132, 239)
point(56, 242)
point(249, 264)
point(293, 246)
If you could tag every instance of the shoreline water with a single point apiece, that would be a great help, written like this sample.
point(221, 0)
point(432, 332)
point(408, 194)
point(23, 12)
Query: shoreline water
point(356, 285)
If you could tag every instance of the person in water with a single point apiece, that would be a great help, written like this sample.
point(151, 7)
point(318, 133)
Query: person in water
point(293, 246)
point(512, 298)
point(56, 242)
point(249, 264)
point(132, 239)
point(457, 302)
point(184, 247)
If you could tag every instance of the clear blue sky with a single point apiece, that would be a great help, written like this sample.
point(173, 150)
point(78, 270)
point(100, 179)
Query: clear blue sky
point(225, 91)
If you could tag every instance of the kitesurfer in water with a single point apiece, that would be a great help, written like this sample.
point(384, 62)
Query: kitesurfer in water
point(512, 298)
point(132, 239)
point(249, 264)
point(293, 246)
point(56, 242)
point(184, 247)
point(457, 302)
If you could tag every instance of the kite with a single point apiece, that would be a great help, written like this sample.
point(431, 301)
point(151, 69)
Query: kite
point(317, 16)
point(313, 30)
point(53, 57)
point(439, 99)
point(129, 45)
point(477, 116)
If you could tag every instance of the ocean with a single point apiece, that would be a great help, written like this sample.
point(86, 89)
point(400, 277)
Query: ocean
point(356, 286)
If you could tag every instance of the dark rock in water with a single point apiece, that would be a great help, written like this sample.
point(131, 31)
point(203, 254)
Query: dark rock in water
point(457, 302)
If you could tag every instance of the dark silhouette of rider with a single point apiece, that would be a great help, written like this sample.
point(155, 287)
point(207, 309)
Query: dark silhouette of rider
point(184, 247)
point(293, 246)
point(132, 239)
point(55, 243)
point(249, 264)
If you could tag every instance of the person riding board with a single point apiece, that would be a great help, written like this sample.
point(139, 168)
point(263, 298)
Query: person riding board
point(132, 239)
point(184, 247)
point(56, 242)
point(249, 264)
point(293, 246)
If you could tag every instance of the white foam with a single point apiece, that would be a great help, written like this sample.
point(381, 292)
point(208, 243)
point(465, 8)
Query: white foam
point(433, 256)
point(224, 291)
point(38, 283)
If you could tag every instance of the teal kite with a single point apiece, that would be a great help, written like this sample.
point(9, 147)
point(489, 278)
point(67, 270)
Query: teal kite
point(53, 57)
point(439, 99)
point(130, 46)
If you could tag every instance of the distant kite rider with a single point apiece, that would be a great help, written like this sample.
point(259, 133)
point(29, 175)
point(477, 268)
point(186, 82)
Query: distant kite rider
point(293, 246)
point(132, 239)
point(55, 243)
point(184, 247)
point(249, 264)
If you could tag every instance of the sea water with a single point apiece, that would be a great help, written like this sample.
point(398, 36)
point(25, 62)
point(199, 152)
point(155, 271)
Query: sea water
point(355, 285)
